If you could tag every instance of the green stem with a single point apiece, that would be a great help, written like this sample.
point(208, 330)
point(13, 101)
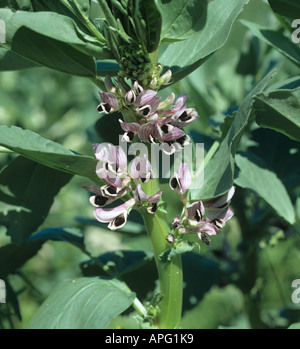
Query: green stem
point(154, 57)
point(169, 273)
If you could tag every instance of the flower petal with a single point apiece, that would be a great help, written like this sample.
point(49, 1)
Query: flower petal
point(101, 151)
point(132, 126)
point(195, 211)
point(176, 223)
point(223, 200)
point(149, 132)
point(110, 178)
point(110, 99)
point(139, 194)
point(137, 88)
point(130, 97)
point(175, 134)
point(185, 177)
point(145, 98)
point(141, 169)
point(208, 228)
point(154, 199)
point(180, 102)
point(105, 215)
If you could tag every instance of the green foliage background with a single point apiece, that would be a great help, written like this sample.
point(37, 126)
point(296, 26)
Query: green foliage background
point(63, 108)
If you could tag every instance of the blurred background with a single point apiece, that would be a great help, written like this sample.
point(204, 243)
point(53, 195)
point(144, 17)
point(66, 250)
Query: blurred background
point(63, 108)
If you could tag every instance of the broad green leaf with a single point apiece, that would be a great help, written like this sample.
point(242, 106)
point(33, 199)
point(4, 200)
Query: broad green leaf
point(255, 175)
point(136, 268)
point(184, 57)
point(53, 26)
point(46, 152)
point(12, 61)
point(287, 8)
point(27, 191)
point(148, 22)
point(54, 54)
point(14, 256)
point(277, 40)
point(280, 111)
point(71, 235)
point(120, 262)
point(83, 303)
point(280, 153)
point(294, 326)
point(181, 19)
point(53, 40)
point(219, 172)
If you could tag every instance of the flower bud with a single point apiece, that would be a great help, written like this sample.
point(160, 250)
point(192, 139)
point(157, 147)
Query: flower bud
point(165, 78)
point(130, 97)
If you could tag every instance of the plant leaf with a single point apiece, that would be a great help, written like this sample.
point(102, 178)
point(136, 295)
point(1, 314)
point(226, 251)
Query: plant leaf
point(184, 57)
point(71, 235)
point(294, 326)
point(46, 152)
point(276, 151)
point(12, 61)
point(287, 8)
point(277, 40)
point(148, 20)
point(255, 175)
point(52, 40)
point(181, 19)
point(279, 110)
point(219, 172)
point(120, 262)
point(83, 303)
point(27, 192)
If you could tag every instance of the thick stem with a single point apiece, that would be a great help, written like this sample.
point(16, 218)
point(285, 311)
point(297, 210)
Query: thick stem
point(169, 273)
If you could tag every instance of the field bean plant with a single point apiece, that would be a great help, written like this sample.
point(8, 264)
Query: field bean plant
point(149, 155)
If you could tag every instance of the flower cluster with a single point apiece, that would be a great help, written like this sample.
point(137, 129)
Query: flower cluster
point(151, 120)
point(154, 120)
point(203, 218)
point(120, 182)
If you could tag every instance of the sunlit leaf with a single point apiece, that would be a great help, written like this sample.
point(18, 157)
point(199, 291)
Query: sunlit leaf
point(218, 174)
point(255, 175)
point(181, 19)
point(184, 57)
point(279, 110)
point(46, 152)
point(277, 40)
point(83, 303)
